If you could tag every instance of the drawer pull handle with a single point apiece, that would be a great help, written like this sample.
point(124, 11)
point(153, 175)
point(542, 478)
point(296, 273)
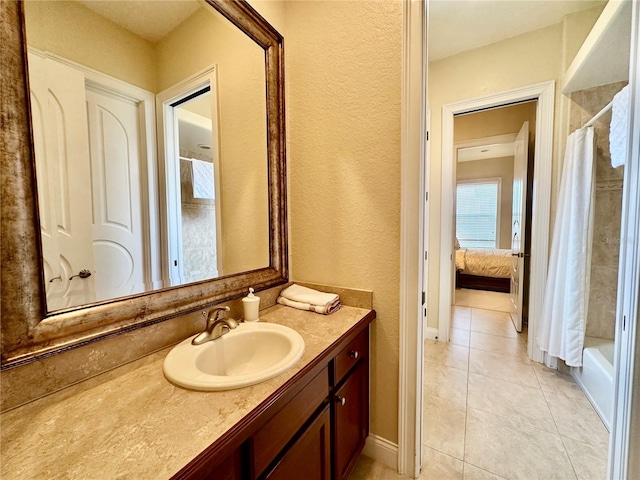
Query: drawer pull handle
point(341, 400)
point(354, 354)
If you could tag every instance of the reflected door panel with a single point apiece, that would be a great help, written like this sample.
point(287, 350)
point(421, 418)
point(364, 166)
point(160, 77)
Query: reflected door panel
point(118, 223)
point(62, 133)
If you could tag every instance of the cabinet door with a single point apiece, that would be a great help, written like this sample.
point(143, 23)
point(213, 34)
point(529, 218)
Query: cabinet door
point(351, 419)
point(231, 467)
point(310, 456)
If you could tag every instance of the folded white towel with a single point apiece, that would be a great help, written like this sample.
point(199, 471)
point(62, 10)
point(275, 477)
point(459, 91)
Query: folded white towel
point(304, 298)
point(619, 128)
point(202, 179)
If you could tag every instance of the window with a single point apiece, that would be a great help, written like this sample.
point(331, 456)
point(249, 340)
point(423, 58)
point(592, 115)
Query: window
point(477, 213)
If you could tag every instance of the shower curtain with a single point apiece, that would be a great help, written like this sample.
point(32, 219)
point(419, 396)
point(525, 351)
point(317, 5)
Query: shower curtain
point(566, 298)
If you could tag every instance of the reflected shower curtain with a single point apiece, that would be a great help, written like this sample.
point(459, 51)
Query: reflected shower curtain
point(566, 297)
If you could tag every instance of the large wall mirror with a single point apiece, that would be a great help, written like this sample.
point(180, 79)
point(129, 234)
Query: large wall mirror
point(154, 131)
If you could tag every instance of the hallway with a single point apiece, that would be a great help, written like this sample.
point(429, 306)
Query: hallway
point(491, 413)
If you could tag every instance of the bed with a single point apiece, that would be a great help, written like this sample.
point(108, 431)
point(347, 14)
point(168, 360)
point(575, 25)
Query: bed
point(483, 269)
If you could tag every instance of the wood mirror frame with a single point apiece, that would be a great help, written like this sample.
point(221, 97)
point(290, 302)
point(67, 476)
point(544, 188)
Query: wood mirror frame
point(29, 332)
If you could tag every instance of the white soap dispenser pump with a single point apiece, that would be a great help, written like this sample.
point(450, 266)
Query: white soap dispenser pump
point(251, 305)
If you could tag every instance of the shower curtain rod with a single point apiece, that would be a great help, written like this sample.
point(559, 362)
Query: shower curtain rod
point(599, 114)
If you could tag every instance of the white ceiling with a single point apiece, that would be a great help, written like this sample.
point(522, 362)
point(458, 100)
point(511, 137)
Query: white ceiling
point(149, 19)
point(459, 25)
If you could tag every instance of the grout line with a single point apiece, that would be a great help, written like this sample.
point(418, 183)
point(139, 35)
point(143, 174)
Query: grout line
point(443, 453)
point(484, 470)
point(564, 445)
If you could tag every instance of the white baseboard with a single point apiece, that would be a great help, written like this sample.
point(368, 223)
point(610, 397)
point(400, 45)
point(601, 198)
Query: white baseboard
point(431, 333)
point(382, 451)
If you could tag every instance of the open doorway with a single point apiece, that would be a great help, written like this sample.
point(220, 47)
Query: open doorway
point(540, 128)
point(493, 169)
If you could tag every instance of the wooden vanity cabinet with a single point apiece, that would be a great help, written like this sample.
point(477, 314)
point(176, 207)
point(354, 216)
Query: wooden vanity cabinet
point(310, 456)
point(351, 409)
point(314, 427)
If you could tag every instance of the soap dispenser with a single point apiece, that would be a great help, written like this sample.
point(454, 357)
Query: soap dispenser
point(251, 305)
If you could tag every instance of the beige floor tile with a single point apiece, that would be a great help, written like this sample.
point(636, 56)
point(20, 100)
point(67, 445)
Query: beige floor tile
point(443, 427)
point(471, 472)
point(524, 334)
point(491, 315)
point(446, 353)
point(438, 466)
point(513, 450)
point(483, 299)
point(446, 383)
point(555, 382)
point(368, 469)
point(506, 399)
point(589, 461)
point(458, 311)
point(500, 366)
point(458, 336)
point(576, 419)
point(499, 344)
point(492, 326)
point(462, 323)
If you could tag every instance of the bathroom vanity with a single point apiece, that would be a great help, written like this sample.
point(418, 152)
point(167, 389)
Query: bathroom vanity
point(309, 422)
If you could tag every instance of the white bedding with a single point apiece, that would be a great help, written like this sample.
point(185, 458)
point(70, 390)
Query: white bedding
point(484, 262)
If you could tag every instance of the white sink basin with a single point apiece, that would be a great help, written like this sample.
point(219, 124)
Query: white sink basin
point(248, 354)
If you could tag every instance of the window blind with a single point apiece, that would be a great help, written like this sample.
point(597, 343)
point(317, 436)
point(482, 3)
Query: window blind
point(477, 214)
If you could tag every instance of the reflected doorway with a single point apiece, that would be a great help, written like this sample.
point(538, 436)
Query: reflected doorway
point(198, 216)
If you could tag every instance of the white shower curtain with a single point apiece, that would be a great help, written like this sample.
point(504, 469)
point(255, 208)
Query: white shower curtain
point(564, 310)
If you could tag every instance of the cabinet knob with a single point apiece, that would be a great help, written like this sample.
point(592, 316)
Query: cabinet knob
point(354, 354)
point(341, 400)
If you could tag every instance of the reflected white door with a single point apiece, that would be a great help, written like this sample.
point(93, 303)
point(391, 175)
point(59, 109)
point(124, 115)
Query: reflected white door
point(518, 216)
point(117, 179)
point(64, 187)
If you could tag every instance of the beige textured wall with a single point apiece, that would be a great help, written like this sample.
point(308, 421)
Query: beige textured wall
point(498, 121)
point(343, 106)
point(494, 168)
point(211, 39)
point(576, 27)
point(76, 33)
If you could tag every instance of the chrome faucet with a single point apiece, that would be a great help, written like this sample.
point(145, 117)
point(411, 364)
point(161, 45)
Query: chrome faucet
point(217, 325)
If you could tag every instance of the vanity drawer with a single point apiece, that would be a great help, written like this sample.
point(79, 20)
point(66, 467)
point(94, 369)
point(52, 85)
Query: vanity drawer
point(350, 355)
point(274, 436)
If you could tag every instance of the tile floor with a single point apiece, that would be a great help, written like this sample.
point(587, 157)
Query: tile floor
point(491, 413)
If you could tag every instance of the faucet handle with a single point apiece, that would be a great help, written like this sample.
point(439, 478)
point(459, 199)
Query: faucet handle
point(215, 314)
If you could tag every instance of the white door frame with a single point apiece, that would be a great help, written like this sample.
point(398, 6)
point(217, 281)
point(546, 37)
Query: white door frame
point(544, 93)
point(169, 168)
point(625, 433)
point(414, 168)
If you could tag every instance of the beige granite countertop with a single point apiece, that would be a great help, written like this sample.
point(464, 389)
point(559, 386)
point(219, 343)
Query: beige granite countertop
point(133, 423)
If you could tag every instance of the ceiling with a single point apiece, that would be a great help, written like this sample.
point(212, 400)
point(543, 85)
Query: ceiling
point(459, 25)
point(149, 19)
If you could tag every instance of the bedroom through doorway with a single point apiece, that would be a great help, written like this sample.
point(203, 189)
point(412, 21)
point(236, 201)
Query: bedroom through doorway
point(494, 153)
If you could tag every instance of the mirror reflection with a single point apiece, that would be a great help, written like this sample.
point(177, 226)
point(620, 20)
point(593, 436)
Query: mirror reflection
point(150, 140)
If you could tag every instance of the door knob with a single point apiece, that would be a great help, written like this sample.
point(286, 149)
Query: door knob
point(84, 273)
point(341, 400)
